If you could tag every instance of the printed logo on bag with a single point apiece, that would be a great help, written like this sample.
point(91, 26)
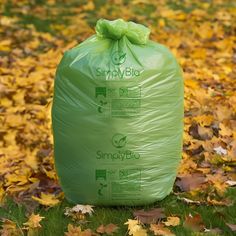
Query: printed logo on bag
point(118, 58)
point(119, 140)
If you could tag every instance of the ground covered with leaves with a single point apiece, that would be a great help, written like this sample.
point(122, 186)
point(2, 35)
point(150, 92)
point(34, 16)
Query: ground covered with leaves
point(34, 35)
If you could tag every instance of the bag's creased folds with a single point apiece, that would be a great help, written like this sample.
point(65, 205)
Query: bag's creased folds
point(118, 117)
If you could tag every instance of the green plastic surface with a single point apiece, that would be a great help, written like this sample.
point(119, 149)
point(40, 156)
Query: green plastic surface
point(118, 117)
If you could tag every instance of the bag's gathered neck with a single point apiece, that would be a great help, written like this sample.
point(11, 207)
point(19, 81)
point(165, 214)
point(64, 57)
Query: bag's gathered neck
point(116, 29)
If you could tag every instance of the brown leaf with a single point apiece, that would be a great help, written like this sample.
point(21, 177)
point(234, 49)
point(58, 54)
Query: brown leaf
point(150, 216)
point(222, 202)
point(108, 229)
point(232, 226)
point(190, 182)
point(205, 133)
point(214, 231)
point(101, 229)
point(77, 231)
point(195, 223)
point(189, 201)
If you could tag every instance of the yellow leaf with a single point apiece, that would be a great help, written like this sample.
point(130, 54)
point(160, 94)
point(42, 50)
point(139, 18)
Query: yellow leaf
point(172, 221)
point(89, 6)
point(73, 230)
point(227, 69)
point(6, 21)
point(15, 188)
point(14, 178)
point(198, 13)
point(9, 228)
point(199, 53)
point(5, 45)
point(34, 221)
point(31, 160)
point(9, 138)
point(131, 224)
point(159, 229)
point(161, 23)
point(225, 130)
point(191, 83)
point(204, 120)
point(14, 120)
point(19, 97)
point(140, 232)
point(205, 30)
point(50, 173)
point(168, 13)
point(77, 231)
point(218, 182)
point(223, 112)
point(2, 195)
point(135, 228)
point(47, 199)
point(5, 102)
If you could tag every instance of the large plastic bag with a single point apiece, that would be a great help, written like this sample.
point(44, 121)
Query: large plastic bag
point(118, 117)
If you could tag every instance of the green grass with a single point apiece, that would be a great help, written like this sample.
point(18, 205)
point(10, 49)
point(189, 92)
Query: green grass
point(55, 222)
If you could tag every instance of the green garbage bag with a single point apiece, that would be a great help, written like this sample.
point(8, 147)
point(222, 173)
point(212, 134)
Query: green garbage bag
point(117, 117)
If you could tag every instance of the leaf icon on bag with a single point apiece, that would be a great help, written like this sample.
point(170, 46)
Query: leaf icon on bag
point(122, 142)
point(119, 140)
point(118, 58)
point(122, 58)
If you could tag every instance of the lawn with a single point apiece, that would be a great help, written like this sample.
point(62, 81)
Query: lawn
point(55, 222)
point(35, 34)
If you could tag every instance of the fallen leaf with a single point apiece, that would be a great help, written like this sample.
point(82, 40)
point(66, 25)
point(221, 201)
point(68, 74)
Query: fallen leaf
point(205, 133)
point(215, 231)
point(221, 151)
point(47, 199)
point(195, 223)
point(172, 221)
point(232, 226)
point(189, 201)
point(77, 231)
point(190, 182)
point(9, 228)
point(108, 229)
point(204, 120)
point(34, 221)
point(135, 228)
point(150, 216)
point(225, 130)
point(2, 195)
point(29, 57)
point(83, 209)
point(231, 183)
point(218, 182)
point(223, 202)
point(160, 229)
